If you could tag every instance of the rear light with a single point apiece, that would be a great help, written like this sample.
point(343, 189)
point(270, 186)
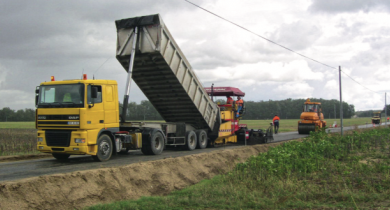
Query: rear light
point(52, 78)
point(246, 134)
point(84, 76)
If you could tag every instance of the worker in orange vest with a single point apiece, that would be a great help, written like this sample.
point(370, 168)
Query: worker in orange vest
point(239, 103)
point(229, 100)
point(275, 121)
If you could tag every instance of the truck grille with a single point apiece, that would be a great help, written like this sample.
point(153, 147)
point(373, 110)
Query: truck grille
point(58, 138)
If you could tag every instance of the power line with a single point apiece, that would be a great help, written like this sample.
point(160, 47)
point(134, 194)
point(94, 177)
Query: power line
point(261, 36)
point(358, 82)
point(101, 65)
point(312, 59)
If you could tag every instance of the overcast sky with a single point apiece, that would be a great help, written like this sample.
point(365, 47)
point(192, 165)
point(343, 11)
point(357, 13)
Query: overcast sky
point(39, 39)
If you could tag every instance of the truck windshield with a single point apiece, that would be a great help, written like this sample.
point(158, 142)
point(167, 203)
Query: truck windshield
point(54, 96)
point(310, 107)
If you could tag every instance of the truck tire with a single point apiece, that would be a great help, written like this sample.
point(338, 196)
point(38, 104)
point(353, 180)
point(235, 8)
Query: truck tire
point(105, 148)
point(191, 140)
point(60, 156)
point(201, 137)
point(156, 145)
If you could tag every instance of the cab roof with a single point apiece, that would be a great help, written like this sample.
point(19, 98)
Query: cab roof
point(81, 81)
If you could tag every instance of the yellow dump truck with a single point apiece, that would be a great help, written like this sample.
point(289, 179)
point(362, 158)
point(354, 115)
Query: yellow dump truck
point(81, 117)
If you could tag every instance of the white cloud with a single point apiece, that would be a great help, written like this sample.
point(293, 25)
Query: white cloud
point(66, 38)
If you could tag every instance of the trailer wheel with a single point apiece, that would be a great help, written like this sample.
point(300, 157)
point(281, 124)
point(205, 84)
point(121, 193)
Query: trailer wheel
point(60, 156)
point(191, 140)
point(201, 139)
point(104, 152)
point(156, 145)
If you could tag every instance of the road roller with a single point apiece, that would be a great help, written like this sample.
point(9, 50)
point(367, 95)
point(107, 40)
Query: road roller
point(311, 118)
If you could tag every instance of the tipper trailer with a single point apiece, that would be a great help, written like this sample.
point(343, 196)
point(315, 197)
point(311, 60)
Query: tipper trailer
point(81, 117)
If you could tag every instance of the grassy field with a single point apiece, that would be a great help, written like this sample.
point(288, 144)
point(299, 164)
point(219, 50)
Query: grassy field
point(287, 125)
point(17, 125)
point(324, 171)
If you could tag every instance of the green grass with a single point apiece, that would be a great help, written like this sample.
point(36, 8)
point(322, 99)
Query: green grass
point(17, 124)
point(322, 171)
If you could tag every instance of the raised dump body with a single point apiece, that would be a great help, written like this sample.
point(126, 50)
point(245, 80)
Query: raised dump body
point(163, 73)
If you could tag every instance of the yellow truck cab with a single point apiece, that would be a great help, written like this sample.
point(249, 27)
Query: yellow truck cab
point(71, 114)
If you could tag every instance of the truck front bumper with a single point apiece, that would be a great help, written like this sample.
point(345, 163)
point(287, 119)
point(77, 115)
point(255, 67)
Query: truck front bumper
point(72, 150)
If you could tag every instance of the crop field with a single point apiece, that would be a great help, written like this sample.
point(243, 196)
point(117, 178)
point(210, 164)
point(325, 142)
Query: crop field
point(17, 141)
point(323, 171)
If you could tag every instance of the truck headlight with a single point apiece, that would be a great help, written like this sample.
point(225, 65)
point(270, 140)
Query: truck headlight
point(79, 140)
point(73, 123)
point(40, 139)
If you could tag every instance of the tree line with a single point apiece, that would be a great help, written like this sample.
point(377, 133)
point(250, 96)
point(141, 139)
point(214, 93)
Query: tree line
point(22, 115)
point(292, 109)
point(285, 109)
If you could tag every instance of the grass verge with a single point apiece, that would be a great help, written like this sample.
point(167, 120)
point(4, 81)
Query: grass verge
point(322, 171)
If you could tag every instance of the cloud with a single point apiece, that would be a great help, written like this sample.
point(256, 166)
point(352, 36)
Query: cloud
point(295, 90)
point(336, 6)
point(67, 38)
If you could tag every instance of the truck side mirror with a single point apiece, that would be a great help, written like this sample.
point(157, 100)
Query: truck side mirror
point(36, 95)
point(94, 92)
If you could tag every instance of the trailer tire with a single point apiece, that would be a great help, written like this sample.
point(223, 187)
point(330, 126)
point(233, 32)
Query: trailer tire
point(60, 156)
point(201, 137)
point(191, 140)
point(105, 148)
point(156, 145)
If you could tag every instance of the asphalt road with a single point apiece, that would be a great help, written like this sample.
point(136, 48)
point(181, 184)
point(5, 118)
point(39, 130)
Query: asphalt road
point(38, 167)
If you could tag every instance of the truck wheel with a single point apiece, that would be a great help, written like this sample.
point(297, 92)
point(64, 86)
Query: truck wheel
point(104, 152)
point(156, 145)
point(60, 156)
point(191, 140)
point(201, 139)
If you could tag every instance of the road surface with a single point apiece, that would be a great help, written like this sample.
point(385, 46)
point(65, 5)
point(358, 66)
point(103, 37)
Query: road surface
point(46, 166)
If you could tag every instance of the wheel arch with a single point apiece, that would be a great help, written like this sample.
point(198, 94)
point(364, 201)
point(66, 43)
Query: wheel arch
point(110, 133)
point(148, 132)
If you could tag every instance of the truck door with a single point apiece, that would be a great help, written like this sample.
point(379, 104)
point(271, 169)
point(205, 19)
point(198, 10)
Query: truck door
point(110, 110)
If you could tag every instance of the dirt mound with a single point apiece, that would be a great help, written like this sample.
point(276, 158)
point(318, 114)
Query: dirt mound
point(86, 188)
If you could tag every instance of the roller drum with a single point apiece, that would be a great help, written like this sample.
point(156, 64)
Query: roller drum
point(305, 128)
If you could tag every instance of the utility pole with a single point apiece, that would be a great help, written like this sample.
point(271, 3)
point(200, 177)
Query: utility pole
point(385, 111)
point(341, 103)
point(334, 111)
